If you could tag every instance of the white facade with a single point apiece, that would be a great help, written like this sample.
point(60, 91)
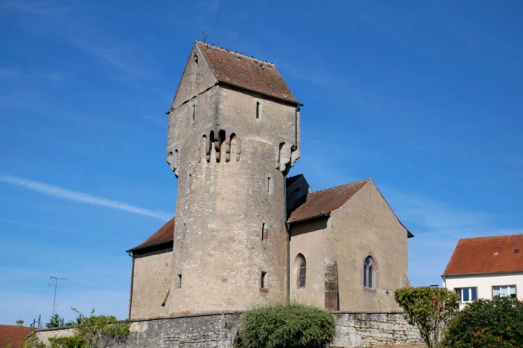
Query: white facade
point(485, 285)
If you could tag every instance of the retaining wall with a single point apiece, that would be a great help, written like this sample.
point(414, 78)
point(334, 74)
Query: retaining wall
point(217, 330)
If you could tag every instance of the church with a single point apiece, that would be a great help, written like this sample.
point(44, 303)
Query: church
point(245, 234)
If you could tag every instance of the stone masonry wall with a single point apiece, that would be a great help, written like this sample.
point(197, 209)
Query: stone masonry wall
point(219, 331)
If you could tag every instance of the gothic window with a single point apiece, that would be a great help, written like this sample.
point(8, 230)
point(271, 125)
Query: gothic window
point(301, 271)
point(369, 273)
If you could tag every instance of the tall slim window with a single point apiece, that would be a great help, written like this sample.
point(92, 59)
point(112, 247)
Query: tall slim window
point(269, 185)
point(301, 271)
point(368, 270)
point(263, 280)
point(193, 113)
point(263, 232)
point(257, 109)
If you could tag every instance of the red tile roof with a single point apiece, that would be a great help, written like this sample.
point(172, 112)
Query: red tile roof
point(487, 255)
point(14, 335)
point(164, 235)
point(325, 201)
point(246, 73)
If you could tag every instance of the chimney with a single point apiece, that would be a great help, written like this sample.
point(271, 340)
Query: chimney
point(19, 322)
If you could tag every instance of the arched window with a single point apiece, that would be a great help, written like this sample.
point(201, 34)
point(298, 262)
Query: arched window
point(368, 272)
point(301, 271)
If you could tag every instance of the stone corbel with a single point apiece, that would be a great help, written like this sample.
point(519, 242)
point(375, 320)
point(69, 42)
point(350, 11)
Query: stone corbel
point(173, 159)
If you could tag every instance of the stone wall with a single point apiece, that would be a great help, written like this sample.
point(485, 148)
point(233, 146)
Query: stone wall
point(151, 283)
point(219, 330)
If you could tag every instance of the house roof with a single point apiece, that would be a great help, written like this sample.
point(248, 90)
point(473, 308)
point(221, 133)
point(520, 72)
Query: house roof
point(165, 235)
point(14, 335)
point(323, 202)
point(246, 72)
point(495, 254)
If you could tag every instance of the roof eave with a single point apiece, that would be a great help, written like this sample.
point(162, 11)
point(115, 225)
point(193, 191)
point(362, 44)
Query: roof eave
point(322, 215)
point(268, 96)
point(138, 248)
point(479, 273)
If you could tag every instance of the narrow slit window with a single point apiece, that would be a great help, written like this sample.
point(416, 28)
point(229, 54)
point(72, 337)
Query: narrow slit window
point(257, 110)
point(269, 183)
point(262, 232)
point(179, 281)
point(263, 280)
point(193, 113)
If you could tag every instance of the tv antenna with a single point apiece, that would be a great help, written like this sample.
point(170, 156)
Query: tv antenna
point(204, 36)
point(56, 279)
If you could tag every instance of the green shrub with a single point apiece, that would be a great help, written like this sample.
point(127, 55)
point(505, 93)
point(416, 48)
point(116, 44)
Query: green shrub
point(429, 309)
point(286, 326)
point(494, 323)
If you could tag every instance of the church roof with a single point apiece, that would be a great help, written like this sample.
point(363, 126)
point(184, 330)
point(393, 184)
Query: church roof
point(246, 72)
point(164, 236)
point(321, 203)
point(495, 254)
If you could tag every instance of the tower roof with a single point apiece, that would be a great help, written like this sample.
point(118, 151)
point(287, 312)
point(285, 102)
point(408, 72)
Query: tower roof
point(246, 73)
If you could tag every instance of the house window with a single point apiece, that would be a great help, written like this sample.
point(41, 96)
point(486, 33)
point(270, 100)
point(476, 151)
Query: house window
point(257, 110)
point(263, 280)
point(368, 273)
point(301, 271)
point(467, 294)
point(504, 291)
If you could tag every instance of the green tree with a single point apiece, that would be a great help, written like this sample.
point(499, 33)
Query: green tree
point(494, 323)
point(286, 326)
point(430, 310)
point(55, 321)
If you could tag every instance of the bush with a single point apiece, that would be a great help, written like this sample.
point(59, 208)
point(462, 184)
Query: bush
point(286, 326)
point(429, 309)
point(488, 323)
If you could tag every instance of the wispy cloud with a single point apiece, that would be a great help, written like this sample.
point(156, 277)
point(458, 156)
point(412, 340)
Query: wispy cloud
point(82, 197)
point(48, 18)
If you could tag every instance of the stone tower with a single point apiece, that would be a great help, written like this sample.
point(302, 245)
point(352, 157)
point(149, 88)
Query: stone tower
point(233, 135)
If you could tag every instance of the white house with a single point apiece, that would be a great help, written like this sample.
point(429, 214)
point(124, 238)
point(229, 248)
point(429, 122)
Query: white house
point(486, 267)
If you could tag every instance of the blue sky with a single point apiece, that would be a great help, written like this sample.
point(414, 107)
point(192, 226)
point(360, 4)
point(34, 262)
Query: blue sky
point(424, 97)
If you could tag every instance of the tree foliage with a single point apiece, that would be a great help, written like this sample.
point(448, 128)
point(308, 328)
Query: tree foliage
point(429, 309)
point(494, 323)
point(55, 321)
point(286, 326)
